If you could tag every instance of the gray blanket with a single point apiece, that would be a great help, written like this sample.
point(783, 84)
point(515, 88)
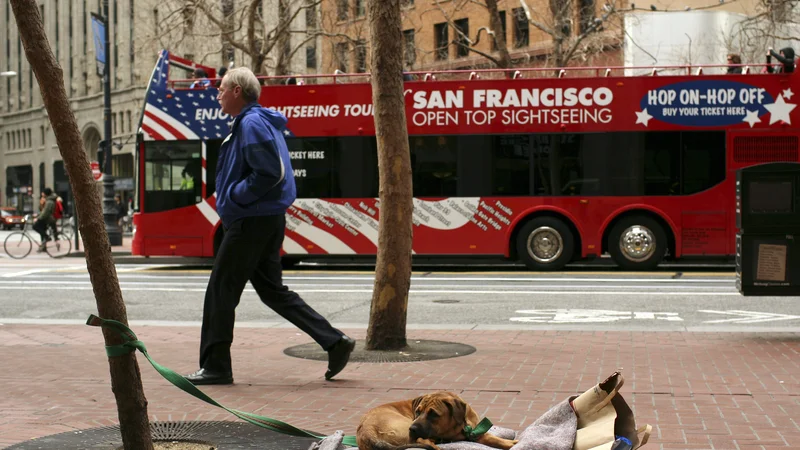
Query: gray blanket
point(554, 430)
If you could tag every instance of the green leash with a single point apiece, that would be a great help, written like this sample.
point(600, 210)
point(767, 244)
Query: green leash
point(132, 343)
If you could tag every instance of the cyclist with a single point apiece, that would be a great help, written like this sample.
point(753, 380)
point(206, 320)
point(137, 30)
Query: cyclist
point(46, 219)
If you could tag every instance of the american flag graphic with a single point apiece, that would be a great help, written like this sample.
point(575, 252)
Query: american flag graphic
point(175, 112)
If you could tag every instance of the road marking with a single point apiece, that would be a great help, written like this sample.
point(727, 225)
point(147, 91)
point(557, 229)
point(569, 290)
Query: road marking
point(27, 272)
point(590, 316)
point(139, 276)
point(748, 316)
point(415, 284)
point(412, 291)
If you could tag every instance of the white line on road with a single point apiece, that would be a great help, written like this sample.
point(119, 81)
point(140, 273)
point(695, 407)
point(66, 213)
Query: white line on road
point(412, 291)
point(445, 278)
point(748, 316)
point(353, 285)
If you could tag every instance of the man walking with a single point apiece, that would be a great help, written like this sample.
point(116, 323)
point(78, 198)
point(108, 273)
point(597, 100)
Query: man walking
point(255, 186)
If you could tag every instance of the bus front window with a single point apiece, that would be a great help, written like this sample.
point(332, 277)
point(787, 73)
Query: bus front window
point(172, 175)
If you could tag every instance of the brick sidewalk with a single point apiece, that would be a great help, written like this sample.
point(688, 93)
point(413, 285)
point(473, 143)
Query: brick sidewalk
point(698, 390)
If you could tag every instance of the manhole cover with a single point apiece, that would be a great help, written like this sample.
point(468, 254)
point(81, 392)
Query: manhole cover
point(417, 350)
point(223, 435)
point(445, 300)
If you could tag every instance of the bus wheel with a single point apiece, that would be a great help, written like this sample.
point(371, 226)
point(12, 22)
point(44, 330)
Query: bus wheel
point(545, 243)
point(637, 243)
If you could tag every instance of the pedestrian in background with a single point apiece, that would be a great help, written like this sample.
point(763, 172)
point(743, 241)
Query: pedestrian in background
point(255, 185)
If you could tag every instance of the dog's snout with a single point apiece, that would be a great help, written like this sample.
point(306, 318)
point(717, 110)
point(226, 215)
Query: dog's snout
point(415, 431)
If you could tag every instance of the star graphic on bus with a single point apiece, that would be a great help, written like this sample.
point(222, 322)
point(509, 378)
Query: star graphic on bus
point(780, 110)
point(643, 117)
point(751, 118)
point(787, 93)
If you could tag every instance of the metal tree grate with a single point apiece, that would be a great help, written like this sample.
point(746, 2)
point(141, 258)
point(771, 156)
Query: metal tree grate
point(417, 350)
point(222, 435)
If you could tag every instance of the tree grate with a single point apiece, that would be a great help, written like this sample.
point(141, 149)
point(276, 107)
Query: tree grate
point(416, 350)
point(222, 435)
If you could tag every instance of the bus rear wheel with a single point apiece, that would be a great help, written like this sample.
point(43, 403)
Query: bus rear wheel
point(545, 243)
point(637, 243)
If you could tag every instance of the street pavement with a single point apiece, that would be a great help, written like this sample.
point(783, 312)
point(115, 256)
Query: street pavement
point(724, 376)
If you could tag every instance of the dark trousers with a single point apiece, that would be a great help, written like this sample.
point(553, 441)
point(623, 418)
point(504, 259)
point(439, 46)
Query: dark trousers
point(250, 250)
point(41, 227)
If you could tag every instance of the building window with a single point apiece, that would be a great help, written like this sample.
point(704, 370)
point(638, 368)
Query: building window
point(131, 48)
point(130, 123)
point(311, 57)
point(441, 40)
point(360, 8)
point(69, 75)
point(361, 56)
point(462, 38)
point(587, 14)
point(114, 122)
point(116, 43)
point(502, 33)
point(85, 37)
point(58, 37)
point(155, 20)
point(19, 74)
point(521, 30)
point(410, 48)
point(41, 131)
point(342, 9)
point(341, 57)
point(311, 14)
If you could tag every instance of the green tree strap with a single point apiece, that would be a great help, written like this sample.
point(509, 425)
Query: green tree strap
point(132, 343)
point(472, 434)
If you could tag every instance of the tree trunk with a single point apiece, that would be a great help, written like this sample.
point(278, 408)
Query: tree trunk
point(228, 27)
point(387, 319)
point(504, 61)
point(283, 46)
point(125, 377)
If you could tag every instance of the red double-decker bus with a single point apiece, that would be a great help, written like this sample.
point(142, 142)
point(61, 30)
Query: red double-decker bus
point(544, 170)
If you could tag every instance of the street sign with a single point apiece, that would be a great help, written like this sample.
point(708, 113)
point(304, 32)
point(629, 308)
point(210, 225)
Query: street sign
point(96, 173)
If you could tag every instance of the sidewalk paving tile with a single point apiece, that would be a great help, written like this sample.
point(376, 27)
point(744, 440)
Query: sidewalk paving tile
point(698, 390)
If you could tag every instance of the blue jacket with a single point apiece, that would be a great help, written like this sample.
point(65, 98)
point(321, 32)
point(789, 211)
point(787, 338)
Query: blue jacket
point(254, 172)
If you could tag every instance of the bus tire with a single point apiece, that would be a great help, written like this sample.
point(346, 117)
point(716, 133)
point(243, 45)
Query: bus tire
point(545, 243)
point(637, 243)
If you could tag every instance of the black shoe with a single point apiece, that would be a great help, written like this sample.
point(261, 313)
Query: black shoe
point(338, 356)
point(204, 376)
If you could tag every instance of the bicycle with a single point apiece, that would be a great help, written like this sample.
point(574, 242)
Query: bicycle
point(66, 228)
point(19, 244)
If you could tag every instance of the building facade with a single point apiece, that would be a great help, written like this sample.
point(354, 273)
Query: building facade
point(29, 156)
point(449, 35)
point(434, 30)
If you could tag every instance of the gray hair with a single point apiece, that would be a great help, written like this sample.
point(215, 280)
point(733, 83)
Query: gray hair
point(246, 79)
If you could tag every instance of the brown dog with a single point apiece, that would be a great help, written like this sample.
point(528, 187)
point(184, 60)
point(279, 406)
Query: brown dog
point(420, 423)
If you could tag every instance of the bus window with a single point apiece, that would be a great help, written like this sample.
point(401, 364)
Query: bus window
point(355, 167)
point(628, 164)
point(433, 166)
point(212, 156)
point(511, 165)
point(703, 160)
point(662, 163)
point(172, 174)
point(312, 163)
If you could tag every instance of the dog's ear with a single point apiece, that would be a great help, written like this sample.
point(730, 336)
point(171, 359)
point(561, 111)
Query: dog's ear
point(458, 410)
